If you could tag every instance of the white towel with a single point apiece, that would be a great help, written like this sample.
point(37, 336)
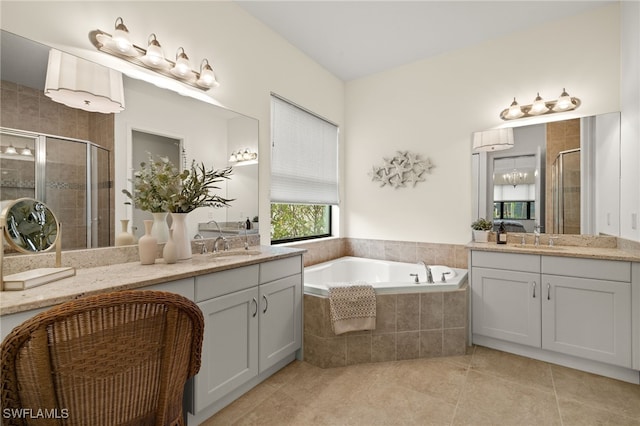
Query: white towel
point(352, 307)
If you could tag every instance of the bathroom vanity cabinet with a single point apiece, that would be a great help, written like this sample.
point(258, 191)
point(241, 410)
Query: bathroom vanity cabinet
point(252, 307)
point(252, 322)
point(570, 306)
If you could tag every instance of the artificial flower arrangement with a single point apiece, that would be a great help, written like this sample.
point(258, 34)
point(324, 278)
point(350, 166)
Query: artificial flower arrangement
point(160, 187)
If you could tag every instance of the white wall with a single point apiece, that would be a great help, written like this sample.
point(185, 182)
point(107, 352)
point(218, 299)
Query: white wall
point(250, 60)
point(432, 106)
point(630, 119)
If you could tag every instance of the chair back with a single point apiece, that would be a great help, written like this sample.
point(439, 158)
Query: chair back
point(120, 358)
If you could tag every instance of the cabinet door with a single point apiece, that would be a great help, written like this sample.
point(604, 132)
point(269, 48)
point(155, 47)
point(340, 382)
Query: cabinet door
point(229, 349)
point(506, 305)
point(280, 319)
point(587, 318)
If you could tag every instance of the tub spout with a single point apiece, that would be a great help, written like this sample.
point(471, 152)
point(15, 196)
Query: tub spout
point(428, 270)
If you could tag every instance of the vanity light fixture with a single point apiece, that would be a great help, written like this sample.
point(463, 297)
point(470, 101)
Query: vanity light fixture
point(493, 140)
point(153, 58)
point(26, 152)
point(10, 150)
point(540, 107)
point(243, 155)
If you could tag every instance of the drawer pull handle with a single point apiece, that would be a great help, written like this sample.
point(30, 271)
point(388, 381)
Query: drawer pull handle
point(266, 304)
point(534, 289)
point(256, 311)
point(548, 291)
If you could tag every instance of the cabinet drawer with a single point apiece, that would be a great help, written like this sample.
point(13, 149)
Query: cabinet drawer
point(276, 269)
point(508, 261)
point(225, 282)
point(612, 270)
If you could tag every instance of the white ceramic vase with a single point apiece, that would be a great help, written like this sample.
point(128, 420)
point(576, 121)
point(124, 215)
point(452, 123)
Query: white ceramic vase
point(170, 251)
point(124, 238)
point(181, 235)
point(480, 236)
point(160, 228)
point(147, 245)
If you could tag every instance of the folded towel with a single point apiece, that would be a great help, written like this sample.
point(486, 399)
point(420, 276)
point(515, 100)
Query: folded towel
point(352, 307)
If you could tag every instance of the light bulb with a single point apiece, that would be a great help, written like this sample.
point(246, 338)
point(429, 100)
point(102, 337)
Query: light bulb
point(538, 107)
point(182, 68)
point(514, 110)
point(10, 150)
point(121, 40)
point(154, 57)
point(207, 77)
point(564, 102)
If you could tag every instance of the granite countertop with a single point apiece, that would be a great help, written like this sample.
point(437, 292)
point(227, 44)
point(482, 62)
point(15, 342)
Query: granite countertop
point(126, 276)
point(605, 253)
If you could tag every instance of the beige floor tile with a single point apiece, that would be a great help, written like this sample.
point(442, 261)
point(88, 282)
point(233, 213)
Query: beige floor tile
point(597, 391)
point(490, 400)
point(438, 378)
point(525, 371)
point(577, 414)
point(242, 405)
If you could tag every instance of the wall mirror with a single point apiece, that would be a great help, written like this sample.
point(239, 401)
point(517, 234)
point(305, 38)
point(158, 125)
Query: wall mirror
point(83, 160)
point(560, 177)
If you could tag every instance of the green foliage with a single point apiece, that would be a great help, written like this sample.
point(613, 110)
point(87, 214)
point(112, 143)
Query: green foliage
point(298, 220)
point(160, 187)
point(482, 224)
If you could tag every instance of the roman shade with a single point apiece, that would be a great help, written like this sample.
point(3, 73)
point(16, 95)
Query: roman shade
point(304, 156)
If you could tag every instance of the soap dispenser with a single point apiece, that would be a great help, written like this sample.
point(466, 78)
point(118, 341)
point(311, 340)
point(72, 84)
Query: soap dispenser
point(501, 236)
point(248, 224)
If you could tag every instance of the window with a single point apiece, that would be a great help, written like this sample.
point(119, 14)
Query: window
point(517, 210)
point(304, 173)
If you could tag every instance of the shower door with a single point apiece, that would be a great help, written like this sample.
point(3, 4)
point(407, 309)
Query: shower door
point(70, 176)
point(566, 192)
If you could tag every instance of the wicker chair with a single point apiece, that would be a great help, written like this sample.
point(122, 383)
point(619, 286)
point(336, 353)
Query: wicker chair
point(121, 358)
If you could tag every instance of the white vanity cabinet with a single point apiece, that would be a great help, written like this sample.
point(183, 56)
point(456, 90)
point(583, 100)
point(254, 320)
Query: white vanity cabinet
point(252, 320)
point(562, 305)
point(506, 297)
point(586, 308)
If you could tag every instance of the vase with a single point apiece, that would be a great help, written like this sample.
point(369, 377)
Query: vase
point(147, 245)
point(181, 235)
point(160, 229)
point(124, 238)
point(170, 251)
point(480, 236)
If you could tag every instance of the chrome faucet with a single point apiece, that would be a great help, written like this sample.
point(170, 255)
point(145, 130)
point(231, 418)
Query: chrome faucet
point(199, 241)
point(243, 225)
point(428, 270)
point(536, 233)
point(225, 245)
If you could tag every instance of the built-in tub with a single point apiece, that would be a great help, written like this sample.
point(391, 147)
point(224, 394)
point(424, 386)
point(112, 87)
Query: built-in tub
point(412, 320)
point(385, 276)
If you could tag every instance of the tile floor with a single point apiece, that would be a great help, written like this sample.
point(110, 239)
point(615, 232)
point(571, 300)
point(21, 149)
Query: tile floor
point(484, 387)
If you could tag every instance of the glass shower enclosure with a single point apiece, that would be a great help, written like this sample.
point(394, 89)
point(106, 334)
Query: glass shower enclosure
point(566, 192)
point(70, 176)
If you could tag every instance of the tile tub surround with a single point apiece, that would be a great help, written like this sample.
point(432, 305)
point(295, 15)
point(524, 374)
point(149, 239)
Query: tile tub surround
point(408, 326)
point(452, 255)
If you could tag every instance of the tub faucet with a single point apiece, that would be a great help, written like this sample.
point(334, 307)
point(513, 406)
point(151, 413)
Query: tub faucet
point(428, 270)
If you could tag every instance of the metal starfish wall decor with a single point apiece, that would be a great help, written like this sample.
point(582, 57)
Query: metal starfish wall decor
point(405, 168)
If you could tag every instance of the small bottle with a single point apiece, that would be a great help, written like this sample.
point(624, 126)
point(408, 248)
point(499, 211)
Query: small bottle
point(501, 236)
point(248, 224)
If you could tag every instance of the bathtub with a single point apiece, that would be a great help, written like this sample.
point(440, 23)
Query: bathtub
point(385, 276)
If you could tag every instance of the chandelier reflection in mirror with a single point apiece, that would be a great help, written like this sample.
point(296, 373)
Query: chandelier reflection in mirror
point(152, 58)
point(540, 107)
point(515, 178)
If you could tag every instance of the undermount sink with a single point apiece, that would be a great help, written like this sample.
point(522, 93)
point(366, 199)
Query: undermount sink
point(235, 253)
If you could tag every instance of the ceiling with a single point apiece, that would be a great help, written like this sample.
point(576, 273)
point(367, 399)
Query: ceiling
point(353, 39)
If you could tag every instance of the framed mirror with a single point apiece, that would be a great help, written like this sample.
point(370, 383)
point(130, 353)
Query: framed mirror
point(560, 177)
point(56, 134)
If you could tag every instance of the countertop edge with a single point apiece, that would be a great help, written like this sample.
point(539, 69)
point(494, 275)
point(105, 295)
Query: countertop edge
point(129, 276)
point(560, 251)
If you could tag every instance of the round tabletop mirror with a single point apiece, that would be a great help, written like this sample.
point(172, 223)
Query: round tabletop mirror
point(30, 226)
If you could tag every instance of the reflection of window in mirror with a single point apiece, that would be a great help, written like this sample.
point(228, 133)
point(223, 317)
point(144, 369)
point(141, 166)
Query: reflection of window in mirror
point(514, 192)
